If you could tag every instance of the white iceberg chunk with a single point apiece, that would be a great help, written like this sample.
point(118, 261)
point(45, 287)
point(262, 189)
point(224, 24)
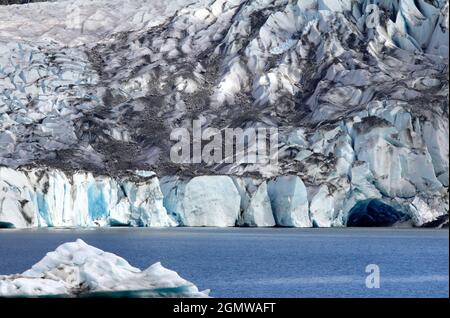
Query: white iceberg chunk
point(77, 268)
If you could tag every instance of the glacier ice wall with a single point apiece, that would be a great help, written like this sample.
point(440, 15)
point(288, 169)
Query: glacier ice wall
point(99, 85)
point(360, 102)
point(77, 269)
point(40, 197)
point(202, 201)
point(255, 207)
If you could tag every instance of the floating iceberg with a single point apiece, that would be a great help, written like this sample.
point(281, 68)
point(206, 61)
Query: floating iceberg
point(40, 197)
point(77, 269)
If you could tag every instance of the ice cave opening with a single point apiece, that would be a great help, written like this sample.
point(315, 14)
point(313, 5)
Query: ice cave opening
point(374, 213)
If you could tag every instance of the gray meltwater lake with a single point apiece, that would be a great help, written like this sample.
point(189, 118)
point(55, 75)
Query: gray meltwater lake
point(273, 262)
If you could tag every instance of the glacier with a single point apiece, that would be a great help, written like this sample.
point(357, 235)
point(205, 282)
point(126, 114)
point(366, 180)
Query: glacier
point(76, 269)
point(42, 197)
point(90, 90)
point(289, 201)
point(202, 201)
point(255, 206)
point(51, 198)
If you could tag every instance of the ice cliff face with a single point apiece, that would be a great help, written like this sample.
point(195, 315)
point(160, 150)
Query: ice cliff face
point(357, 89)
point(52, 198)
point(78, 269)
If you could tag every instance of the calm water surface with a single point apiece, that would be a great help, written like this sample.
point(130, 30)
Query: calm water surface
point(244, 262)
